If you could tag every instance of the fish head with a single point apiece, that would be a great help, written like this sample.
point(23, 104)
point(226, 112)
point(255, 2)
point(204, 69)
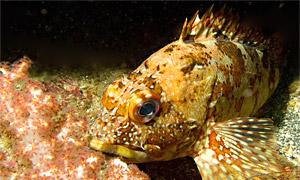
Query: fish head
point(150, 114)
point(135, 124)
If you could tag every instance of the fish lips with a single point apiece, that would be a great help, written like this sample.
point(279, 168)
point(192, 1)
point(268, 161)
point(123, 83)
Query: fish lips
point(130, 155)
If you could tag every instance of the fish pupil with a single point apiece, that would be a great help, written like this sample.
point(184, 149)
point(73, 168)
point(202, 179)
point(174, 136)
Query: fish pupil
point(146, 109)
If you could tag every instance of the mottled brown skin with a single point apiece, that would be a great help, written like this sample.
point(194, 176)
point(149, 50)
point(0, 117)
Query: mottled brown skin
point(211, 80)
point(206, 86)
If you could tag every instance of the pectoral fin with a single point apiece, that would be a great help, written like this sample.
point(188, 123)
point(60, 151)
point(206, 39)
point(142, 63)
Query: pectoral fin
point(241, 148)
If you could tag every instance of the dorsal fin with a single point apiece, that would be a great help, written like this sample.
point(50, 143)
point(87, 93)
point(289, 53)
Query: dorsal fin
point(222, 25)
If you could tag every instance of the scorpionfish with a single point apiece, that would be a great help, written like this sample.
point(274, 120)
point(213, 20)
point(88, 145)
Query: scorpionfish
point(196, 97)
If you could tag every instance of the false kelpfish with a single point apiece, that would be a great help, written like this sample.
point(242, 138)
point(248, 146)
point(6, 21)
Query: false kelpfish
point(195, 97)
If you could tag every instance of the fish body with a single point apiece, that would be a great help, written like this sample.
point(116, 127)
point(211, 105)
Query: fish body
point(195, 97)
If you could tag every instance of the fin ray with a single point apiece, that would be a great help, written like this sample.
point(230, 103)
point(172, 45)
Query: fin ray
point(238, 150)
point(224, 25)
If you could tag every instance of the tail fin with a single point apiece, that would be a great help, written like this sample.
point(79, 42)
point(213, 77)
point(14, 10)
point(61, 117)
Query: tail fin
point(239, 149)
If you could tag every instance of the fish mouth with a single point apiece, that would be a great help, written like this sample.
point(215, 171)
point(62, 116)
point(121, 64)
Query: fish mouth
point(131, 156)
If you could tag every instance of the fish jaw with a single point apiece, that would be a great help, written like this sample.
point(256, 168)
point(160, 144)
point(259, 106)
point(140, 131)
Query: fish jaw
point(141, 145)
point(240, 148)
point(136, 156)
point(131, 155)
point(109, 136)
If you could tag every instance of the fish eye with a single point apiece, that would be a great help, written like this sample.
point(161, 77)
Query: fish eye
point(146, 109)
point(143, 107)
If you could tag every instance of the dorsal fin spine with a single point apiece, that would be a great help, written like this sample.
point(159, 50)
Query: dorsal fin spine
point(183, 32)
point(220, 23)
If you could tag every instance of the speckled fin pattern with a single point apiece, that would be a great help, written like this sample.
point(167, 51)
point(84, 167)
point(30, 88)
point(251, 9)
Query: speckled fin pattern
point(241, 148)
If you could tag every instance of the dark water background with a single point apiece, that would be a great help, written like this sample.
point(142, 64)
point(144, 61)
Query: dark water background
point(82, 34)
point(132, 29)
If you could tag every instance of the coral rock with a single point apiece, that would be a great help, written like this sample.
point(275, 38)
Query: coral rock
point(41, 135)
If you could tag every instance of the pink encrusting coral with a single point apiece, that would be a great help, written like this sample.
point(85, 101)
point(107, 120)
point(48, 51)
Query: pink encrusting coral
point(121, 171)
point(42, 135)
